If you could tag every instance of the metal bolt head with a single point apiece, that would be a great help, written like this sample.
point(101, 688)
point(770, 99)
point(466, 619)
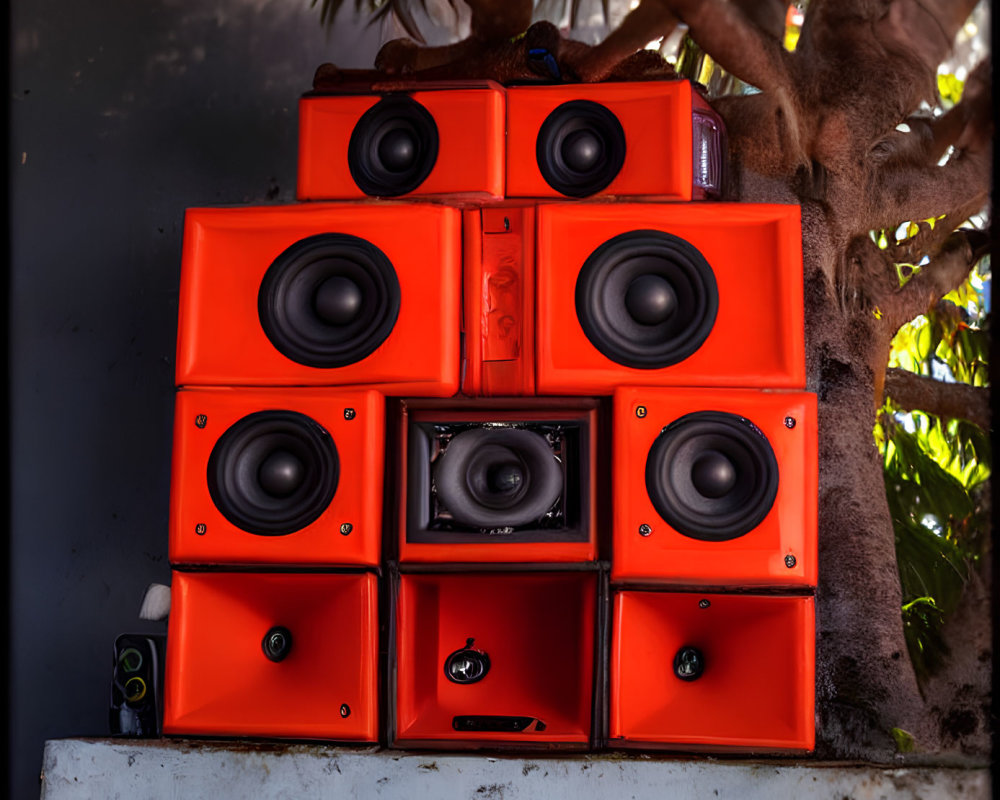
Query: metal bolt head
point(200, 528)
point(345, 710)
point(640, 411)
point(790, 561)
point(645, 530)
point(789, 422)
point(346, 528)
point(201, 421)
point(350, 413)
point(704, 603)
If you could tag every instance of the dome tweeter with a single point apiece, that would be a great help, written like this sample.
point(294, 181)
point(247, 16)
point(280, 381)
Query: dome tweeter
point(712, 475)
point(393, 147)
point(273, 472)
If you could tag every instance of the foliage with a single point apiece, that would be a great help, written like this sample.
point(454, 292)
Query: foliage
point(936, 469)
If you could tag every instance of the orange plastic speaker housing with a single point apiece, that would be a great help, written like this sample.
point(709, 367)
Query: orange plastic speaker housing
point(573, 541)
point(779, 551)
point(756, 690)
point(499, 284)
point(662, 138)
point(538, 633)
point(468, 117)
point(228, 252)
point(347, 531)
point(755, 254)
point(221, 682)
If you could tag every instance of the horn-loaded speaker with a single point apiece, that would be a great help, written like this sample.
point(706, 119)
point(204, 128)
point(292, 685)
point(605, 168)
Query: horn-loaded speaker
point(714, 488)
point(668, 295)
point(287, 655)
point(499, 485)
point(494, 658)
point(658, 139)
point(137, 685)
point(277, 476)
point(445, 141)
point(322, 295)
point(499, 297)
point(712, 671)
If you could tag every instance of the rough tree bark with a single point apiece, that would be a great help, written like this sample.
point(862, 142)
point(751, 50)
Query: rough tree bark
point(825, 132)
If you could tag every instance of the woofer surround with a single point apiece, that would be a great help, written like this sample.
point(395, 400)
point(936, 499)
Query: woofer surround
point(273, 472)
point(393, 147)
point(712, 475)
point(646, 299)
point(580, 148)
point(329, 300)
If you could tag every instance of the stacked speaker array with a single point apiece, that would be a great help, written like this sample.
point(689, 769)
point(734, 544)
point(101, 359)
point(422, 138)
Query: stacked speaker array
point(518, 457)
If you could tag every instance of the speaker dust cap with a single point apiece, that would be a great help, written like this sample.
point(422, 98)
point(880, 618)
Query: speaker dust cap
point(646, 299)
point(393, 148)
point(580, 148)
point(273, 472)
point(494, 477)
point(329, 300)
point(712, 475)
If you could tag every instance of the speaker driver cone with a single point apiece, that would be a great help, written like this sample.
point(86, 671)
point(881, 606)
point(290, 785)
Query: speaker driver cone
point(273, 472)
point(393, 147)
point(498, 477)
point(646, 299)
point(329, 300)
point(580, 148)
point(712, 475)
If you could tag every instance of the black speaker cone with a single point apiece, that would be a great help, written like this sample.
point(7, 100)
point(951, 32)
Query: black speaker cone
point(712, 475)
point(646, 299)
point(580, 148)
point(498, 477)
point(277, 643)
point(689, 663)
point(393, 147)
point(273, 472)
point(329, 300)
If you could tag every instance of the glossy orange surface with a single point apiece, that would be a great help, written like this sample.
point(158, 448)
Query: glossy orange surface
point(470, 161)
point(358, 498)
point(227, 251)
point(757, 689)
point(538, 630)
point(755, 253)
point(655, 117)
point(757, 558)
point(220, 683)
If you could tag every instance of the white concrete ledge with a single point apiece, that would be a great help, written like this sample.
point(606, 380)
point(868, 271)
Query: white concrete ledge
point(104, 768)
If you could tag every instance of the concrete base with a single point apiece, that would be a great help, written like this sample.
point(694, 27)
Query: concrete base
point(101, 768)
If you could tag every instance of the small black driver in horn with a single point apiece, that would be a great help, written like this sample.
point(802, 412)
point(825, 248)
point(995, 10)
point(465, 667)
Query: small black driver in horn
point(498, 477)
point(329, 300)
point(393, 147)
point(273, 472)
point(712, 475)
point(580, 148)
point(646, 299)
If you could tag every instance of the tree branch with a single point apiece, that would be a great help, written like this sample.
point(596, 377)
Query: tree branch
point(950, 400)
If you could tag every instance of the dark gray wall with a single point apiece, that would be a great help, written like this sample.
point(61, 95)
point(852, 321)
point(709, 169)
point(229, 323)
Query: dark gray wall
point(123, 113)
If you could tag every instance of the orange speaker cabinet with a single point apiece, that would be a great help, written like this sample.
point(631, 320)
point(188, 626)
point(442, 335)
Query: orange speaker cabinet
point(499, 302)
point(701, 294)
point(325, 294)
point(448, 141)
point(656, 138)
point(499, 481)
point(495, 659)
point(714, 488)
point(712, 672)
point(273, 655)
point(277, 476)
